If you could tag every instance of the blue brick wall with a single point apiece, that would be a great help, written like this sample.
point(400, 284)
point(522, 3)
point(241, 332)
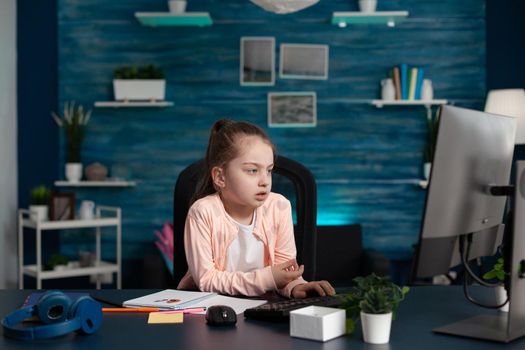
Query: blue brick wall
point(364, 158)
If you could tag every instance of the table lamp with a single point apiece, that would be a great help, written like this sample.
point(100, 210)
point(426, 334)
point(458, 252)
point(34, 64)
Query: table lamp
point(510, 102)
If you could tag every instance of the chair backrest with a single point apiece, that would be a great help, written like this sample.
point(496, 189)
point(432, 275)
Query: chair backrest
point(305, 212)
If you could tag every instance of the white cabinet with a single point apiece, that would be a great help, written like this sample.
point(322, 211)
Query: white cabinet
point(105, 217)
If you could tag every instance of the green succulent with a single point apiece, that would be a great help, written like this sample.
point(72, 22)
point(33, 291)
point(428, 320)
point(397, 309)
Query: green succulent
point(138, 72)
point(372, 294)
point(40, 195)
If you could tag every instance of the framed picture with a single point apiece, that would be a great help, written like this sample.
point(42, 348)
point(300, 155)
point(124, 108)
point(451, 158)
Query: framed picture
point(299, 61)
point(62, 206)
point(257, 66)
point(292, 109)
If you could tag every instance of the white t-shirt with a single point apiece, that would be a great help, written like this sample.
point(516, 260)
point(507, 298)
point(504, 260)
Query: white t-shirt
point(246, 252)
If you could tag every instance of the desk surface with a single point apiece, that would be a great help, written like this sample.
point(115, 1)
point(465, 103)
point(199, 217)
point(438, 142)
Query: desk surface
point(424, 309)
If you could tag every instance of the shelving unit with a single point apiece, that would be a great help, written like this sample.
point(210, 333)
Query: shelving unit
point(107, 183)
point(158, 19)
point(130, 104)
point(100, 267)
point(390, 18)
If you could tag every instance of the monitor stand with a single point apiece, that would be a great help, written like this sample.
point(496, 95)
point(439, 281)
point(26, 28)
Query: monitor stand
point(504, 327)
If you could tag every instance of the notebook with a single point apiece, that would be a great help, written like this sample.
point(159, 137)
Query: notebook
point(169, 299)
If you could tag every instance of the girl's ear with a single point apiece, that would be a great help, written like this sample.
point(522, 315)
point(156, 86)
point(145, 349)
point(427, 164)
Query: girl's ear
point(217, 175)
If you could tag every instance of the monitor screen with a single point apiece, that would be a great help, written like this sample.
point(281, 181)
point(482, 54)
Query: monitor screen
point(473, 150)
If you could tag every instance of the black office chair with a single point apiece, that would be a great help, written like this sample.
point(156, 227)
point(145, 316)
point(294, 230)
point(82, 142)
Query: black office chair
point(341, 256)
point(285, 170)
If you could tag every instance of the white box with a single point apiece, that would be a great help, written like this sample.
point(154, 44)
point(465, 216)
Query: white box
point(318, 323)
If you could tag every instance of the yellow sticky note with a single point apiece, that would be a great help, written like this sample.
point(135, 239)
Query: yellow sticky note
point(155, 317)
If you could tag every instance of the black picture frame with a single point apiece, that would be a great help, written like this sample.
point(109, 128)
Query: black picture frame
point(62, 206)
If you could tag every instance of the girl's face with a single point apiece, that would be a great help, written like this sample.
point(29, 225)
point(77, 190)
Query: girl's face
point(246, 181)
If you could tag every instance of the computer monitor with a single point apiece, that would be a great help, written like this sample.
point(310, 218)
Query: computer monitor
point(474, 154)
point(473, 150)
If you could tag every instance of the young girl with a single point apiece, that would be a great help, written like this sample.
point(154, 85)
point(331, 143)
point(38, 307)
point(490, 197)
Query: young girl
point(239, 235)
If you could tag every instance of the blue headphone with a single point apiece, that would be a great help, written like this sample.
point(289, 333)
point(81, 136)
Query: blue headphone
point(59, 315)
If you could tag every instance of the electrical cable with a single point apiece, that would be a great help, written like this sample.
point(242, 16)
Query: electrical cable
point(470, 274)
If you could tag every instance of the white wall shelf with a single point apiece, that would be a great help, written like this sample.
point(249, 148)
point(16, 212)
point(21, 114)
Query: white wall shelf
point(157, 19)
point(423, 183)
point(131, 104)
point(106, 183)
point(426, 103)
point(105, 217)
point(390, 18)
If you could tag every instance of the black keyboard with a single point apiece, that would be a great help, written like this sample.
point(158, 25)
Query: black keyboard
point(280, 310)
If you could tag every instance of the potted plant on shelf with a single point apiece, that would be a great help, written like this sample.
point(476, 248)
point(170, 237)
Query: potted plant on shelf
point(39, 208)
point(74, 123)
point(57, 262)
point(374, 300)
point(139, 83)
point(430, 144)
point(498, 273)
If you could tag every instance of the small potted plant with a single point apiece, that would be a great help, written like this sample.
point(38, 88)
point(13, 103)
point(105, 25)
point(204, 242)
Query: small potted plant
point(430, 145)
point(374, 300)
point(57, 262)
point(498, 273)
point(39, 208)
point(74, 123)
point(139, 83)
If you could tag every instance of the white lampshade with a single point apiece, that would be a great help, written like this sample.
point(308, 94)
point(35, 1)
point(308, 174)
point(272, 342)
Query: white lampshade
point(284, 6)
point(509, 102)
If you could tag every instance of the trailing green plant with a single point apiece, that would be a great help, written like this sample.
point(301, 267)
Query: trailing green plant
point(74, 123)
point(430, 144)
point(149, 71)
point(40, 195)
point(372, 294)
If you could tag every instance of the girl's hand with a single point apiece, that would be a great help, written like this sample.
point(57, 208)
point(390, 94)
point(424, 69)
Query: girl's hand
point(320, 287)
point(286, 272)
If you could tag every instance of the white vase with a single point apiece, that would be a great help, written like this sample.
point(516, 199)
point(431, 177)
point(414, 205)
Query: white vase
point(501, 297)
point(376, 328)
point(177, 6)
point(367, 6)
point(38, 212)
point(388, 91)
point(73, 172)
point(427, 166)
point(427, 91)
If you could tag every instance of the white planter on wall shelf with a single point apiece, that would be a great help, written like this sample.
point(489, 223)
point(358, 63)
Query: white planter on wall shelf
point(139, 89)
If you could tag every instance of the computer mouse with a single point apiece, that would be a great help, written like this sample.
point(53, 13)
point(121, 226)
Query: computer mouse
point(221, 315)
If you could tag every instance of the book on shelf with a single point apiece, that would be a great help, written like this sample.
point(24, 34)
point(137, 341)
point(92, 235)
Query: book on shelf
point(419, 82)
point(404, 81)
point(412, 83)
point(397, 82)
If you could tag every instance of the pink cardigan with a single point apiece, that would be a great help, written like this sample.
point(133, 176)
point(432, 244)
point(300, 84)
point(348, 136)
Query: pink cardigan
point(209, 232)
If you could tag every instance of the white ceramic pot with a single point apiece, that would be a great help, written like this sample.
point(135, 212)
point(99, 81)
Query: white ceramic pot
point(388, 91)
point(501, 296)
point(376, 328)
point(139, 89)
point(427, 166)
point(177, 6)
point(367, 6)
point(38, 212)
point(73, 172)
